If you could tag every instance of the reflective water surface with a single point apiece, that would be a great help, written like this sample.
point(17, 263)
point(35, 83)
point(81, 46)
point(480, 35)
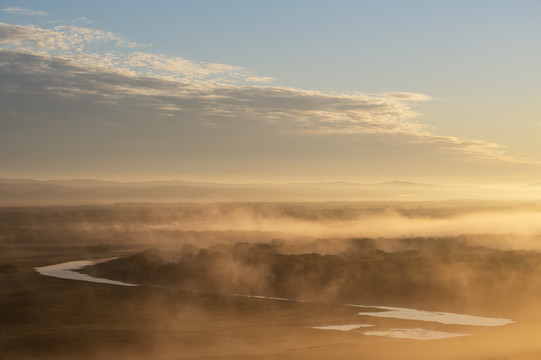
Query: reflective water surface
point(415, 334)
point(342, 327)
point(439, 317)
point(65, 271)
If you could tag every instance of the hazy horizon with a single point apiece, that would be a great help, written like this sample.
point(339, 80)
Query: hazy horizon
point(382, 181)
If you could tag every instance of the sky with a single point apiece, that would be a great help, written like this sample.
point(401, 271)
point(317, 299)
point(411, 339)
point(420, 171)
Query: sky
point(271, 91)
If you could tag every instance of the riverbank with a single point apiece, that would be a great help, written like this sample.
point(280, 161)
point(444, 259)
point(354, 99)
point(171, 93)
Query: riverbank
point(51, 318)
point(70, 271)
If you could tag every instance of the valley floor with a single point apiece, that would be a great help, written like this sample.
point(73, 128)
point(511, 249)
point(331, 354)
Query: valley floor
point(48, 318)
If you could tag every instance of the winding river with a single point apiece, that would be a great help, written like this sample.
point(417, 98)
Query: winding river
point(67, 271)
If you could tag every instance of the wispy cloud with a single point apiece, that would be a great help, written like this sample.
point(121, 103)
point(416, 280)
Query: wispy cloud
point(175, 67)
point(59, 40)
point(477, 148)
point(86, 46)
point(64, 64)
point(407, 96)
point(285, 109)
point(260, 79)
point(24, 11)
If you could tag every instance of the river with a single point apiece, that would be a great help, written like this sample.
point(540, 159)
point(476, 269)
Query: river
point(67, 271)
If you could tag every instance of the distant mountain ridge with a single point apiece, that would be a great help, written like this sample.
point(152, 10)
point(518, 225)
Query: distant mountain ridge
point(94, 182)
point(76, 191)
point(405, 183)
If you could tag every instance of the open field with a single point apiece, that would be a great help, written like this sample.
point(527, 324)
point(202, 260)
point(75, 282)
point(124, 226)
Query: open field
point(48, 318)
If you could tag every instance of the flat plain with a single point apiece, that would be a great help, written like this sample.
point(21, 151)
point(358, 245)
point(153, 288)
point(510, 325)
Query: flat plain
point(48, 318)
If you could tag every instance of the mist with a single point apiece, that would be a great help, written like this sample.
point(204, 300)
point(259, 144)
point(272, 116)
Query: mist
point(210, 274)
point(381, 223)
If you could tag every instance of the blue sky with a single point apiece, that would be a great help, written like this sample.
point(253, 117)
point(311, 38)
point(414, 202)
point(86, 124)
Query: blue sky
point(308, 90)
